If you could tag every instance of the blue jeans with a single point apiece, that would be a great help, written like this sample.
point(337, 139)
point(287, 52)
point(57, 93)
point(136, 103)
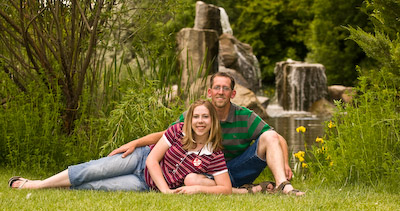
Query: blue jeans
point(111, 173)
point(245, 168)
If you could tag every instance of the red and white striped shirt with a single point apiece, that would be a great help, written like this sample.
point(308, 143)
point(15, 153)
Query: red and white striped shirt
point(177, 162)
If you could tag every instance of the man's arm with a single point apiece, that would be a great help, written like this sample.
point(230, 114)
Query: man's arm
point(129, 147)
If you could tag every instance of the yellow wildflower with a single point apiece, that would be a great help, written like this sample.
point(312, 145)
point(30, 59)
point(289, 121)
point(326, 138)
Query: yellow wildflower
point(304, 165)
point(331, 163)
point(319, 140)
point(300, 155)
point(331, 125)
point(301, 129)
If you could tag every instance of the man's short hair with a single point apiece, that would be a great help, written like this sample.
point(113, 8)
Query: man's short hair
point(222, 74)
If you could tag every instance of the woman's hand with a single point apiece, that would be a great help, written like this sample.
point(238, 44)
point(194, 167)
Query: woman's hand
point(168, 191)
point(187, 190)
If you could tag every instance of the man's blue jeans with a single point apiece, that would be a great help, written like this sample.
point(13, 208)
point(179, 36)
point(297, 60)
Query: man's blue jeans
point(245, 168)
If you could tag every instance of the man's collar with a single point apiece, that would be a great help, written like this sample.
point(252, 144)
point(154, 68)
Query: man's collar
point(231, 113)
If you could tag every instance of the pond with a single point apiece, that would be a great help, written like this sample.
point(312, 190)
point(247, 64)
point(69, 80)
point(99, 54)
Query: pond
point(286, 122)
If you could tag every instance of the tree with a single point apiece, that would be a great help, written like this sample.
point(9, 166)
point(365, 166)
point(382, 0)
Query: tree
point(384, 44)
point(328, 43)
point(51, 42)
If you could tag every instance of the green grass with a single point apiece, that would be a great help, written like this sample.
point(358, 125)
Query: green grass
point(317, 198)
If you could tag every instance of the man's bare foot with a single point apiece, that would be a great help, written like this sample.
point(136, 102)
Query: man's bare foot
point(264, 187)
point(287, 188)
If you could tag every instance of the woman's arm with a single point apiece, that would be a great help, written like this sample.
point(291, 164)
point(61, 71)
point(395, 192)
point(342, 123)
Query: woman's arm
point(223, 186)
point(153, 165)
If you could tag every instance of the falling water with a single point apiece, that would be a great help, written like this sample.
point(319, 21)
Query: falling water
point(299, 85)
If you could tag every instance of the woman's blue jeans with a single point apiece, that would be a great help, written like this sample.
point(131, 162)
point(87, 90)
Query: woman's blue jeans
point(111, 173)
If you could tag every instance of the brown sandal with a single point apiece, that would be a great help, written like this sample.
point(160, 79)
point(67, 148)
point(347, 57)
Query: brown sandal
point(280, 188)
point(264, 187)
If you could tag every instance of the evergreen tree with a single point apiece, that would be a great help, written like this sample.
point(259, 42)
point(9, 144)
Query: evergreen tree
point(328, 43)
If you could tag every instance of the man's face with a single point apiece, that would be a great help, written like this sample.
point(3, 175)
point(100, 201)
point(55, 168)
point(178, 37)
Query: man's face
point(221, 92)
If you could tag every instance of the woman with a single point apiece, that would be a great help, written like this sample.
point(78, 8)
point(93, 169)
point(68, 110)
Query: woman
point(186, 149)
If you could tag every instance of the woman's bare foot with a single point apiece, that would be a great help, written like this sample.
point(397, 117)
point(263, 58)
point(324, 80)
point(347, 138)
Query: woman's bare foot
point(22, 183)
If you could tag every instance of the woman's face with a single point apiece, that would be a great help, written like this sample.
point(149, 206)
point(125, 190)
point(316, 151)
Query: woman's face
point(201, 121)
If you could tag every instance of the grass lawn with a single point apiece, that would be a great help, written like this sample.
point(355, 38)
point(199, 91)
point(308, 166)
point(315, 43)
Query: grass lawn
point(317, 198)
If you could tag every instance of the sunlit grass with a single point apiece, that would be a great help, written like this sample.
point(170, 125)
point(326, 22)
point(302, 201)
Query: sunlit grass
point(318, 197)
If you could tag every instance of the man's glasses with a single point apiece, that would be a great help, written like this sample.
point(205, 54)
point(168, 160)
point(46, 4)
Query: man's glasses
point(224, 88)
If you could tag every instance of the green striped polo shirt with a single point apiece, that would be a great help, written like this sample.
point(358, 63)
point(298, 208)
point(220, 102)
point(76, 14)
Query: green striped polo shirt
point(239, 130)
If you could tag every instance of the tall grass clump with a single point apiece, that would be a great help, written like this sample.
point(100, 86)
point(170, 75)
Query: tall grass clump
point(363, 139)
point(31, 132)
point(140, 112)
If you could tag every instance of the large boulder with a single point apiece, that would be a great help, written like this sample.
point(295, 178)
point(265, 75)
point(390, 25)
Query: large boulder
point(207, 17)
point(198, 50)
point(239, 56)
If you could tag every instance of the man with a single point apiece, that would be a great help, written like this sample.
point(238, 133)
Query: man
point(240, 127)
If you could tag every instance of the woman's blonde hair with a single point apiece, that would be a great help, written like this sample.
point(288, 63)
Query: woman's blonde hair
point(215, 134)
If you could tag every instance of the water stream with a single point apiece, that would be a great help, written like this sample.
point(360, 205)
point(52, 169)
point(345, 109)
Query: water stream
point(286, 122)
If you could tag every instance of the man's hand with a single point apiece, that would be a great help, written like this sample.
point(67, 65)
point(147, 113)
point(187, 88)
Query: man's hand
point(288, 172)
point(126, 149)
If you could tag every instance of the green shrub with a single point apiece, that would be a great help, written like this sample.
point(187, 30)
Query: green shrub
point(363, 143)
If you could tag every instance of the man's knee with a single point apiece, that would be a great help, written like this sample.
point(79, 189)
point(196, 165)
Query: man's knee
point(269, 138)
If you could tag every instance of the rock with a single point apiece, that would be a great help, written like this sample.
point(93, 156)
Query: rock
point(264, 101)
point(322, 107)
point(237, 76)
point(227, 51)
point(239, 56)
point(339, 92)
point(199, 46)
point(207, 17)
point(247, 98)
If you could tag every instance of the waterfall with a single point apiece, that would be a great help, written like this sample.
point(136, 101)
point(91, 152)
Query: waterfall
point(299, 85)
point(226, 26)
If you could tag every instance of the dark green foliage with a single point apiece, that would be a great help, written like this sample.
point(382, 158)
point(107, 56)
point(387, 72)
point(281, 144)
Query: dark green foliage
point(327, 41)
point(275, 29)
point(364, 146)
